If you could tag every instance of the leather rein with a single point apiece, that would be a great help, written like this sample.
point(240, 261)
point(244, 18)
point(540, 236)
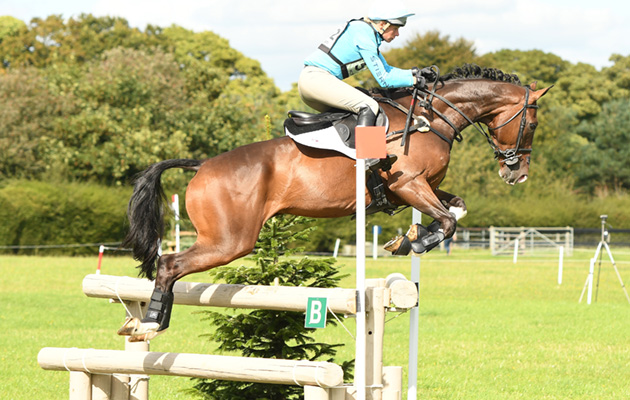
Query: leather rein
point(510, 155)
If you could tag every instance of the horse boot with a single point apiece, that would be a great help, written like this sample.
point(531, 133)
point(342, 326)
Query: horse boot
point(418, 238)
point(428, 238)
point(155, 322)
point(401, 245)
point(368, 118)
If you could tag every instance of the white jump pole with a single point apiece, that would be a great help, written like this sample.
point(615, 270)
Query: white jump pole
point(336, 252)
point(560, 264)
point(176, 211)
point(414, 318)
point(375, 242)
point(370, 143)
point(360, 354)
point(515, 251)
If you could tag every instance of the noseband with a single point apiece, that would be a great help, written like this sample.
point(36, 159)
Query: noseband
point(512, 155)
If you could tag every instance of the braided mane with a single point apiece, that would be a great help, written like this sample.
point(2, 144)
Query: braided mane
point(466, 71)
point(473, 71)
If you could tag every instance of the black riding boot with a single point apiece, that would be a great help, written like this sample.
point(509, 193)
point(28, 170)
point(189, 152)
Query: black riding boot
point(368, 118)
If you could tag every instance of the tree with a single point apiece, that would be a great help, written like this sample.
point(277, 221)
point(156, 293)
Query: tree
point(29, 109)
point(10, 26)
point(619, 72)
point(126, 116)
point(105, 100)
point(49, 41)
point(531, 65)
point(584, 90)
point(266, 333)
point(603, 160)
point(432, 49)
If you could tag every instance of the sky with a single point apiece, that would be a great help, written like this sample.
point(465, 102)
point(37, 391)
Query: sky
point(281, 33)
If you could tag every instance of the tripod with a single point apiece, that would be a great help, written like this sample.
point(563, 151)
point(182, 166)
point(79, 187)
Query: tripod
point(589, 279)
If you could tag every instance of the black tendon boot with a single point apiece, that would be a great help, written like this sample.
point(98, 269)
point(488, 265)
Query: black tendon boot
point(419, 238)
point(160, 308)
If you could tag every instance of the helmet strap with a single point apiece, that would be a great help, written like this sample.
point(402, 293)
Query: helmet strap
point(377, 26)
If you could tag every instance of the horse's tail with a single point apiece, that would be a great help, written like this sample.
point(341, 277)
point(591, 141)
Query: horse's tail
point(146, 213)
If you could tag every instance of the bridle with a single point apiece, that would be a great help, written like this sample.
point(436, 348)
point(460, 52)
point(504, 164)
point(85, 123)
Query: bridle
point(511, 156)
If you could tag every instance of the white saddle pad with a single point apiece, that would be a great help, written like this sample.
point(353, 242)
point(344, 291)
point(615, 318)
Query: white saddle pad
point(327, 139)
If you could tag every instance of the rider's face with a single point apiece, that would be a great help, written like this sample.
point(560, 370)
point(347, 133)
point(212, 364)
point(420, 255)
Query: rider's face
point(390, 33)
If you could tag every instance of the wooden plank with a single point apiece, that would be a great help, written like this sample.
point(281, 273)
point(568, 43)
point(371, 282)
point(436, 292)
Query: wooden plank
point(261, 370)
point(281, 298)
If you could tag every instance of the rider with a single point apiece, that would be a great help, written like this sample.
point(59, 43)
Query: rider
point(351, 49)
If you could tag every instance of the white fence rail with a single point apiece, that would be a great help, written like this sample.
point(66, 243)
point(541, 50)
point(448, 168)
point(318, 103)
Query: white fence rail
point(530, 240)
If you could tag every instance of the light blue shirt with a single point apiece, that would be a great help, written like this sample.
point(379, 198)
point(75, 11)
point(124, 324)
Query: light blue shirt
point(359, 41)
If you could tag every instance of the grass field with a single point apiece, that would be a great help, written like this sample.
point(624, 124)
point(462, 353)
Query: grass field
point(489, 329)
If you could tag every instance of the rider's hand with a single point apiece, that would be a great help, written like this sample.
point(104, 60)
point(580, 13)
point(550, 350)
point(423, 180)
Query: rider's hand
point(428, 73)
point(420, 81)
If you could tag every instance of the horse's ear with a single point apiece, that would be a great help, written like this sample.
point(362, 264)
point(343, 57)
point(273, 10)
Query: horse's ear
point(539, 93)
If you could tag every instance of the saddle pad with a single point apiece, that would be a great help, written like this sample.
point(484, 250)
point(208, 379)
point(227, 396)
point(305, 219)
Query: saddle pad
point(327, 139)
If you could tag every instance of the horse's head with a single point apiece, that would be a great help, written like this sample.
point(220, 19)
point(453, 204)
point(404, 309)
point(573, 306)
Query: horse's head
point(512, 131)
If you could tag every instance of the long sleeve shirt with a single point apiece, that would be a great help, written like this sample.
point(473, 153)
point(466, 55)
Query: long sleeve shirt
point(353, 48)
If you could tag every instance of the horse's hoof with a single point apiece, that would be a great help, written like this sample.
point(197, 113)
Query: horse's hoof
point(393, 244)
point(136, 328)
point(145, 337)
point(412, 233)
point(399, 246)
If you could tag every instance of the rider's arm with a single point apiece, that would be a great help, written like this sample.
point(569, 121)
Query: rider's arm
point(386, 75)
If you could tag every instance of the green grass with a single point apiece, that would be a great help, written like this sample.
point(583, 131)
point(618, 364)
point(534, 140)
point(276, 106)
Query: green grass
point(489, 329)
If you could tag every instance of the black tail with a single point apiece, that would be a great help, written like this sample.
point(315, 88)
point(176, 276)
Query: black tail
point(146, 213)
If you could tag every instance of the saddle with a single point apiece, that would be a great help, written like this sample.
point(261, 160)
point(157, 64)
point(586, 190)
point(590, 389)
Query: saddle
point(343, 122)
point(335, 130)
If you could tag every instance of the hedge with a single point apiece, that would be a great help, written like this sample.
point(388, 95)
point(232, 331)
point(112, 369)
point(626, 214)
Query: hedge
point(53, 214)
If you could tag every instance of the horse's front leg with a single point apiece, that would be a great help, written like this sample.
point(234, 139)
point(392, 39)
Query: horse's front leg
point(420, 195)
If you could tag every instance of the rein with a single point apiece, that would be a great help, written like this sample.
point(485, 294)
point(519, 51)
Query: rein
point(411, 129)
point(510, 155)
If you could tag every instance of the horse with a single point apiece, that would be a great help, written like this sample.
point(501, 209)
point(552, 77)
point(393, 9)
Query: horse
point(233, 194)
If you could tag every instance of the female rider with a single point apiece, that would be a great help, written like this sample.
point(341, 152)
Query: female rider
point(351, 49)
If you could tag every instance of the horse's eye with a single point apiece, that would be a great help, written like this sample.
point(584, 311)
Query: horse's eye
point(533, 126)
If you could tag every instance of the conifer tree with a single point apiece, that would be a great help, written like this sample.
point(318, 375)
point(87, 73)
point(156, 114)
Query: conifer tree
point(268, 333)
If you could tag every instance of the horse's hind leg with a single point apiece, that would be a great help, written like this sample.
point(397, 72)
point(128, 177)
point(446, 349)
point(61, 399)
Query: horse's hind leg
point(172, 267)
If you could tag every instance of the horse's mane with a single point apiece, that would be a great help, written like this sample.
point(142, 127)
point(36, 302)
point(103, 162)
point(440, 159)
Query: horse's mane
point(473, 71)
point(466, 71)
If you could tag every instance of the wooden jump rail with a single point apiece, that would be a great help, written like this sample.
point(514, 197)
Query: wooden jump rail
point(122, 375)
point(286, 372)
point(280, 298)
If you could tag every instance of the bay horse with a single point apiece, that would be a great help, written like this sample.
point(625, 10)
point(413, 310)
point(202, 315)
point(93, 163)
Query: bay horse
point(232, 195)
